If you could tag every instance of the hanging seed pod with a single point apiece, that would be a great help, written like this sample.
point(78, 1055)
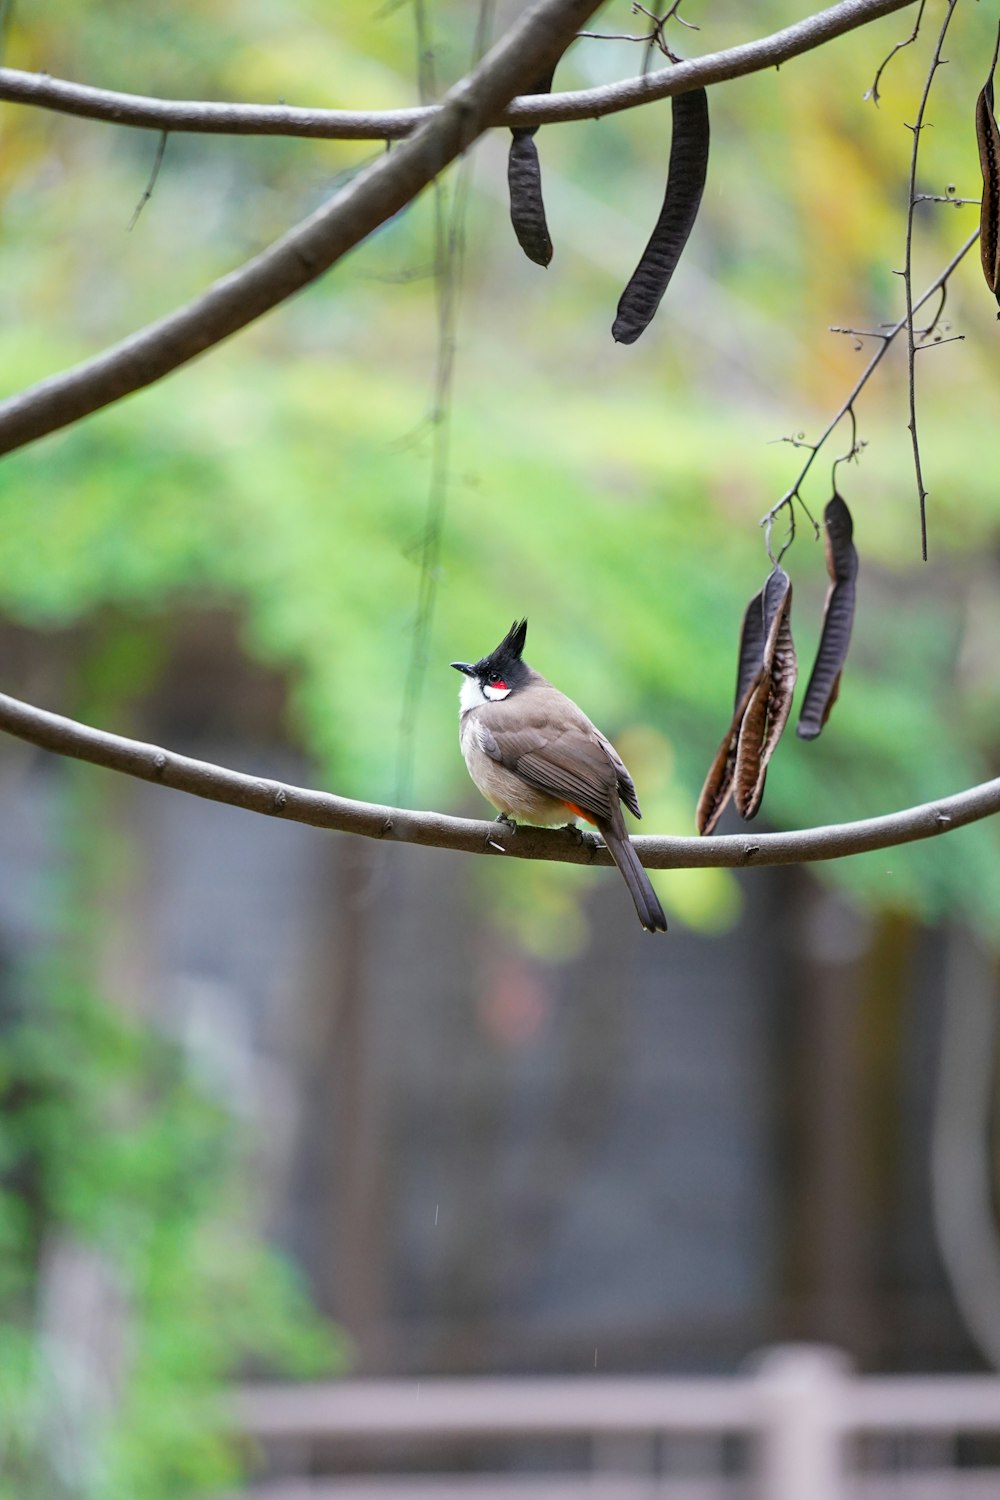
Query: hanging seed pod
point(764, 686)
point(784, 675)
point(751, 664)
point(527, 209)
point(838, 618)
point(748, 766)
point(769, 707)
point(719, 781)
point(524, 184)
point(988, 138)
point(685, 185)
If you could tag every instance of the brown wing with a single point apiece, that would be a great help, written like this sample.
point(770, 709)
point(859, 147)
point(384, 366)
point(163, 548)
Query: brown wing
point(577, 771)
point(626, 786)
point(572, 762)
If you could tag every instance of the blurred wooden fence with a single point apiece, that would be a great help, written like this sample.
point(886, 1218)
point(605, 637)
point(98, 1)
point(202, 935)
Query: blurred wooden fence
point(798, 1426)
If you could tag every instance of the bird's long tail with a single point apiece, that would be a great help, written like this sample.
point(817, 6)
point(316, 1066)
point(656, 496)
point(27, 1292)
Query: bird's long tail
point(639, 887)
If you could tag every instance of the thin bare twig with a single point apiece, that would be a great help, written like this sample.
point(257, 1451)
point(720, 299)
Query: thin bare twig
point(929, 330)
point(611, 36)
point(151, 184)
point(674, 14)
point(922, 348)
point(873, 93)
point(911, 346)
point(945, 198)
point(436, 830)
point(885, 338)
point(213, 118)
point(854, 448)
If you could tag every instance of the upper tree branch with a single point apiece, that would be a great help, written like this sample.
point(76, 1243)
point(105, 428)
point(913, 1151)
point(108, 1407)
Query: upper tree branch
point(305, 252)
point(323, 810)
point(208, 118)
point(300, 256)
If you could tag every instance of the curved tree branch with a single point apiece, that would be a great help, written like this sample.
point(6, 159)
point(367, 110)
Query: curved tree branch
point(324, 810)
point(302, 255)
point(210, 118)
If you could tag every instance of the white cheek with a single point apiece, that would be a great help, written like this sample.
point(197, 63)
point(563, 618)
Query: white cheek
point(469, 694)
point(496, 694)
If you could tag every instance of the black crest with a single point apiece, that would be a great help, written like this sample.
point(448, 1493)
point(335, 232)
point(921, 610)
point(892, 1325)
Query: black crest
point(507, 655)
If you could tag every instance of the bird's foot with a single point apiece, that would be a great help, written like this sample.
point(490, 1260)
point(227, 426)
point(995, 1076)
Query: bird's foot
point(506, 819)
point(583, 837)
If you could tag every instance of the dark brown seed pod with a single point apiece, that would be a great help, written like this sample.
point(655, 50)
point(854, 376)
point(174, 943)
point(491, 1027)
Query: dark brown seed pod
point(988, 138)
point(752, 636)
point(524, 184)
point(784, 675)
point(750, 774)
point(685, 185)
point(777, 594)
point(769, 707)
point(838, 619)
point(718, 786)
point(719, 782)
point(748, 766)
point(764, 685)
point(527, 208)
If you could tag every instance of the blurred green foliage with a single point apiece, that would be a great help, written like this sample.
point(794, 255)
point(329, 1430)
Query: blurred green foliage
point(610, 494)
point(112, 1153)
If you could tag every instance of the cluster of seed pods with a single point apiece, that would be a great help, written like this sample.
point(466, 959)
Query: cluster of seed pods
point(767, 673)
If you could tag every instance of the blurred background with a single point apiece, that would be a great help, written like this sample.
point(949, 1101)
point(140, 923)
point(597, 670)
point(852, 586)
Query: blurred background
point(277, 1104)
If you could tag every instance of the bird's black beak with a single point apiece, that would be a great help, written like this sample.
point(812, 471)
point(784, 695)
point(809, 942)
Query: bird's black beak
point(463, 666)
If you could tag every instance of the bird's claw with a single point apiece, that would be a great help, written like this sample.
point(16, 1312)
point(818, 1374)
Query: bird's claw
point(584, 839)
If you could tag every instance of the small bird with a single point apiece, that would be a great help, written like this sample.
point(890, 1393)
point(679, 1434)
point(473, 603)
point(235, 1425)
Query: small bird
point(537, 757)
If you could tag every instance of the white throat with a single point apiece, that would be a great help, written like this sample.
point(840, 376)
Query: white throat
point(472, 694)
point(469, 694)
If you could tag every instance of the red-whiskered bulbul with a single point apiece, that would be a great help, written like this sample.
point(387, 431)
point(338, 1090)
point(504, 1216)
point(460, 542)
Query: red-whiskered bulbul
point(538, 758)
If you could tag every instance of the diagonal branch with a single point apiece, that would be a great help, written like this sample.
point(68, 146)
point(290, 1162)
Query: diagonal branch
point(210, 118)
point(302, 255)
point(884, 338)
point(323, 810)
